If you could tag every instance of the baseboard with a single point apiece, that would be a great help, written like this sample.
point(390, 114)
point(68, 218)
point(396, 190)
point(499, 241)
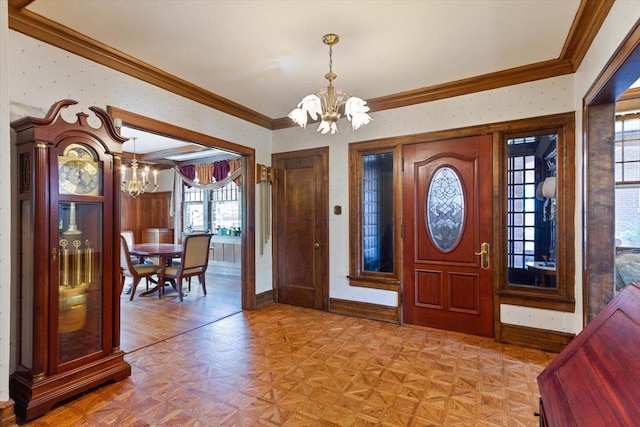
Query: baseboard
point(264, 298)
point(364, 309)
point(7, 416)
point(541, 339)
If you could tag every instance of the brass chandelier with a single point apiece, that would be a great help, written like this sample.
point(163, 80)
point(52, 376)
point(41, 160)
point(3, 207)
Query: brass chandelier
point(326, 103)
point(136, 186)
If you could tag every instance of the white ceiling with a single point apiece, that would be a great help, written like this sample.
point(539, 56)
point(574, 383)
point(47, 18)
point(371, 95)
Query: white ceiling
point(266, 55)
point(146, 143)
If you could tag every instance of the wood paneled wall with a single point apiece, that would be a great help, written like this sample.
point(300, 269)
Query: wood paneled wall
point(150, 210)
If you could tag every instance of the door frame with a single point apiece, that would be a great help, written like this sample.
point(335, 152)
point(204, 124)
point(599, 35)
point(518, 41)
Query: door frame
point(323, 152)
point(498, 248)
point(248, 237)
point(598, 116)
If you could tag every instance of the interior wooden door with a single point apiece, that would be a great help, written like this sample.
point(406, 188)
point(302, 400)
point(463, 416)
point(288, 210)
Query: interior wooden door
point(448, 222)
point(301, 228)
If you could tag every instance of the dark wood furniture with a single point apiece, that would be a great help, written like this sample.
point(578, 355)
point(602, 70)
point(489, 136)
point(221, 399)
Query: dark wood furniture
point(165, 252)
point(157, 235)
point(68, 315)
point(136, 271)
point(195, 259)
point(595, 380)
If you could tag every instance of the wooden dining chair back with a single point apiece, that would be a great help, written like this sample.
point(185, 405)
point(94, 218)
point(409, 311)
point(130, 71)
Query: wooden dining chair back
point(195, 259)
point(135, 271)
point(128, 236)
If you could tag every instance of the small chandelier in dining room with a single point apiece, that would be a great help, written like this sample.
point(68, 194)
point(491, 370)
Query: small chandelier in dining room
point(136, 186)
point(326, 103)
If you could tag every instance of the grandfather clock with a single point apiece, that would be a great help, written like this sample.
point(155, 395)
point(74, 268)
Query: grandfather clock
point(68, 322)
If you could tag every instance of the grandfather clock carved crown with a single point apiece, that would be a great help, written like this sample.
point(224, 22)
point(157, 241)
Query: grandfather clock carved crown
point(68, 309)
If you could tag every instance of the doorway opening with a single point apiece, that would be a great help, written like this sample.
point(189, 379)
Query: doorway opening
point(225, 212)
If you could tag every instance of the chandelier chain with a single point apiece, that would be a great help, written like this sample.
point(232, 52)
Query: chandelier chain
point(330, 59)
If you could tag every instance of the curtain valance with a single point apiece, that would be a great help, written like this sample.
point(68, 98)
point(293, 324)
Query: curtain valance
point(211, 176)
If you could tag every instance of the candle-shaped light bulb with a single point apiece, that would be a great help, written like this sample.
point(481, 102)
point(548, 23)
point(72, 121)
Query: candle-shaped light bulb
point(123, 171)
point(145, 175)
point(155, 177)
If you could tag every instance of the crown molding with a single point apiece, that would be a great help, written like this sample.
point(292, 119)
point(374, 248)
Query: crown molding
point(586, 24)
point(40, 28)
point(588, 20)
point(512, 76)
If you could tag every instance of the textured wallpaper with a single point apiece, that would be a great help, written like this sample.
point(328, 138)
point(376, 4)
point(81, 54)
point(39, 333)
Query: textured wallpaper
point(539, 98)
point(40, 75)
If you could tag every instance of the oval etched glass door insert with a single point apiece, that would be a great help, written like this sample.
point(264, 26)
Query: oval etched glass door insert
point(445, 209)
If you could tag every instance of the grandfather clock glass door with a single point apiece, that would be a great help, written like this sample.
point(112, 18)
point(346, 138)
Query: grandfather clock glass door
point(79, 280)
point(77, 257)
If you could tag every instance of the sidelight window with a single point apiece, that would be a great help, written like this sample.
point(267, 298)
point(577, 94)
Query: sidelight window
point(374, 229)
point(538, 198)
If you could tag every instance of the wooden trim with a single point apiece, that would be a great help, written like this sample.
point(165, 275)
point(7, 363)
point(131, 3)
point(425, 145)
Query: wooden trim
point(562, 297)
point(541, 339)
point(19, 4)
point(7, 416)
point(498, 254)
point(510, 126)
point(264, 298)
point(586, 24)
point(620, 72)
point(248, 237)
point(357, 275)
point(597, 179)
point(629, 95)
point(158, 127)
point(48, 31)
point(366, 310)
point(563, 122)
point(589, 18)
point(628, 101)
point(598, 256)
point(513, 76)
point(536, 300)
point(372, 283)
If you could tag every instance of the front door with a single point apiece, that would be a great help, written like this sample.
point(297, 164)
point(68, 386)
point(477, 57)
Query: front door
point(447, 219)
point(301, 228)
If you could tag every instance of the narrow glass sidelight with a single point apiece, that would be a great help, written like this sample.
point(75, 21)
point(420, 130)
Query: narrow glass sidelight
point(445, 209)
point(377, 212)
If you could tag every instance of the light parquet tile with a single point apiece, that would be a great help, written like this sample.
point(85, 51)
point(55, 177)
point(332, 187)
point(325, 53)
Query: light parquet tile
point(290, 366)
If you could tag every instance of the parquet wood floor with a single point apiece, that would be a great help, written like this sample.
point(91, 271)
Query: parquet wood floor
point(147, 320)
point(289, 366)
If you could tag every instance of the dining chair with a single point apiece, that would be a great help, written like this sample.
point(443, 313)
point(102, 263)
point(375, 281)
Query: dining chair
point(135, 271)
point(195, 259)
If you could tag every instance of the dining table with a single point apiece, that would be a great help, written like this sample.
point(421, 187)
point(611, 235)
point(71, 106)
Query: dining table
point(166, 252)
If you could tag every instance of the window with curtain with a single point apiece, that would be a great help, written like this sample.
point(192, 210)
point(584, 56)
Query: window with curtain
point(217, 211)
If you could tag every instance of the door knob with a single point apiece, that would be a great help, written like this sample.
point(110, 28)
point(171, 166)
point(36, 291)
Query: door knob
point(484, 255)
point(317, 245)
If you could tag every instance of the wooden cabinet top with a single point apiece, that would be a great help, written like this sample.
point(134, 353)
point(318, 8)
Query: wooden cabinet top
point(595, 380)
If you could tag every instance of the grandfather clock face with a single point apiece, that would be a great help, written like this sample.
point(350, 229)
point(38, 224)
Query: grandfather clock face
point(79, 171)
